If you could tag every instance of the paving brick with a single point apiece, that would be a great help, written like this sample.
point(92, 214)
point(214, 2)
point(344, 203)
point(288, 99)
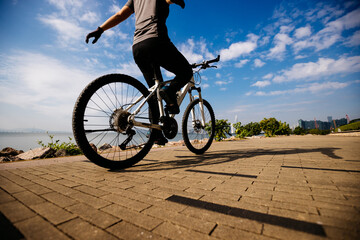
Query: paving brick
point(235, 222)
point(82, 230)
point(28, 198)
point(125, 230)
point(92, 215)
point(285, 233)
point(181, 219)
point(15, 178)
point(91, 191)
point(126, 202)
point(67, 183)
point(53, 213)
point(173, 231)
point(10, 186)
point(136, 218)
point(38, 228)
point(59, 199)
point(228, 233)
point(90, 200)
point(5, 197)
point(16, 211)
point(38, 189)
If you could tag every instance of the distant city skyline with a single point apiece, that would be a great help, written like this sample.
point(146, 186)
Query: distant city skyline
point(287, 59)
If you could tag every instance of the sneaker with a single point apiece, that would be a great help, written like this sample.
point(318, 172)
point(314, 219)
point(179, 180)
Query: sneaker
point(161, 140)
point(170, 98)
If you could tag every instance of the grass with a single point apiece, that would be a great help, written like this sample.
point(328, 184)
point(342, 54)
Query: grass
point(349, 127)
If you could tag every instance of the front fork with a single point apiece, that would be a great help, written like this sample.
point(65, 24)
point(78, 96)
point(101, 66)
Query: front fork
point(201, 105)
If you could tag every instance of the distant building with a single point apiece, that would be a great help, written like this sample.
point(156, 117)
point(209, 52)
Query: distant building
point(322, 125)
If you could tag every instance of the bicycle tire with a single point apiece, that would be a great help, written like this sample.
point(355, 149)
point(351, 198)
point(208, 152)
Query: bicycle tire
point(196, 138)
point(99, 118)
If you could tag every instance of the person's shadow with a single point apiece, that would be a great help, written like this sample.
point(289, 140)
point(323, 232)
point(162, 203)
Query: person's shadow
point(219, 157)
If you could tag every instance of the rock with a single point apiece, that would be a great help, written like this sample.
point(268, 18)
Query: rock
point(8, 151)
point(105, 146)
point(36, 153)
point(5, 159)
point(93, 147)
point(60, 153)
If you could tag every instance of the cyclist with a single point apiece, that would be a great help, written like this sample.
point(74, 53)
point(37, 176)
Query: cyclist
point(152, 48)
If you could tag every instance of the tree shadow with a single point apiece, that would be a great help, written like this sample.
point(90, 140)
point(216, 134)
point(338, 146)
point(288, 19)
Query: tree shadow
point(219, 157)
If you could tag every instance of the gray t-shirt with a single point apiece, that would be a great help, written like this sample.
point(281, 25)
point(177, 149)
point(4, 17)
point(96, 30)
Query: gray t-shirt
point(150, 18)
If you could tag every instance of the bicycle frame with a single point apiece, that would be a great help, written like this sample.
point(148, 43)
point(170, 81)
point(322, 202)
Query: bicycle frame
point(155, 90)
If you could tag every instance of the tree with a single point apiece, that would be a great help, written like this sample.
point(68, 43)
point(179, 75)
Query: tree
point(248, 130)
point(269, 126)
point(299, 131)
point(283, 129)
point(222, 127)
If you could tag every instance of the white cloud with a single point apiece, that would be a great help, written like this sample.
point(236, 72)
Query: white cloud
point(67, 31)
point(90, 17)
point(261, 84)
point(281, 40)
point(240, 48)
point(241, 63)
point(195, 51)
point(331, 34)
point(323, 67)
point(258, 63)
point(311, 88)
point(130, 69)
point(354, 40)
point(43, 84)
point(114, 8)
point(303, 32)
point(268, 76)
point(63, 4)
point(204, 85)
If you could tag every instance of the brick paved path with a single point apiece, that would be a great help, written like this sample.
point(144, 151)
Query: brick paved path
point(298, 187)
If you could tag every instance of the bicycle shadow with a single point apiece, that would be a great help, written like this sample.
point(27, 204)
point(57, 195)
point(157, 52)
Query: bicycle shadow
point(219, 157)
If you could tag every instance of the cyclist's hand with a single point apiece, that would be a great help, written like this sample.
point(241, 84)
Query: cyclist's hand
point(95, 34)
point(181, 3)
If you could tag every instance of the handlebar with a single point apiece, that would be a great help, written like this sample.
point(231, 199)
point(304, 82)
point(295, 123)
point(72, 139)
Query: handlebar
point(205, 64)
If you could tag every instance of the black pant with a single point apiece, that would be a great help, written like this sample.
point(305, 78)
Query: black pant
point(153, 53)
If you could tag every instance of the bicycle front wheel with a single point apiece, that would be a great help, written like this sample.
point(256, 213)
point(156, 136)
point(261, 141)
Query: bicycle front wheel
point(101, 123)
point(198, 129)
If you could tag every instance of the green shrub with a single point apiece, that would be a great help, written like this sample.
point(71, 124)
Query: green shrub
point(250, 129)
point(269, 126)
point(299, 131)
point(283, 129)
point(71, 148)
point(222, 127)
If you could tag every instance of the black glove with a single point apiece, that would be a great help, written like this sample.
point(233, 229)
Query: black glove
point(95, 34)
point(181, 3)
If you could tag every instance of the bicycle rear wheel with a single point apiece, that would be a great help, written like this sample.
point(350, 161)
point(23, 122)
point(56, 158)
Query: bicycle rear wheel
point(198, 137)
point(100, 122)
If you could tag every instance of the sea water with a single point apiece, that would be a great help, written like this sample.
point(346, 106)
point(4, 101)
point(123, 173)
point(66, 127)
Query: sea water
point(27, 141)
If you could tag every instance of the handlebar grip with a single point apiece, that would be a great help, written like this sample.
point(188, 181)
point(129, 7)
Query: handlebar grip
point(214, 60)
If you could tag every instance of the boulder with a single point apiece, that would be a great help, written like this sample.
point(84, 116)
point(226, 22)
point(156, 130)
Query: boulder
point(93, 147)
point(36, 153)
point(5, 159)
point(8, 151)
point(105, 146)
point(60, 153)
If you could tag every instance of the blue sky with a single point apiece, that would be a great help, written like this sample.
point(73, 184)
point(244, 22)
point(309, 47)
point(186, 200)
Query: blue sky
point(285, 59)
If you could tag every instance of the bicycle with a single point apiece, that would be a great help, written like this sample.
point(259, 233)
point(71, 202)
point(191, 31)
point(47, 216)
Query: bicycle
point(112, 122)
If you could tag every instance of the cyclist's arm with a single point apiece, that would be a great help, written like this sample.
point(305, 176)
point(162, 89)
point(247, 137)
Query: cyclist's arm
point(117, 18)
